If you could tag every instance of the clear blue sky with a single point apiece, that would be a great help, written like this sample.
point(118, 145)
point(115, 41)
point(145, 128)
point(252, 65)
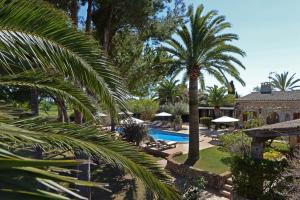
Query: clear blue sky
point(269, 32)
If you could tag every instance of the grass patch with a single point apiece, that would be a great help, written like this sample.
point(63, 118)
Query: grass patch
point(214, 159)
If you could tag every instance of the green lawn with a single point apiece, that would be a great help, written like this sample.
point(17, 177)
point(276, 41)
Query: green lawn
point(214, 159)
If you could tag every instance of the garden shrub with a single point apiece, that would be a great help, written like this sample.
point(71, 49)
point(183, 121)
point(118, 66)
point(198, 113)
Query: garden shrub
point(272, 155)
point(133, 132)
point(145, 107)
point(177, 122)
point(237, 143)
point(258, 180)
point(193, 188)
point(252, 123)
point(179, 108)
point(206, 121)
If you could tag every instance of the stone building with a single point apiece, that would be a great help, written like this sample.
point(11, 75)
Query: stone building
point(269, 106)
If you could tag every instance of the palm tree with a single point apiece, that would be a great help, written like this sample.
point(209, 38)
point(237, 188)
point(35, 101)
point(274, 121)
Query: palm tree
point(283, 82)
point(256, 89)
point(203, 47)
point(39, 49)
point(217, 97)
point(168, 90)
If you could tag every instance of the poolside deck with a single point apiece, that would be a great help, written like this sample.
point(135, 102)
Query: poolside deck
point(205, 141)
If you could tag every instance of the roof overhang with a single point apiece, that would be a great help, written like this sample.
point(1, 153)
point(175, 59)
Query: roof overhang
point(288, 128)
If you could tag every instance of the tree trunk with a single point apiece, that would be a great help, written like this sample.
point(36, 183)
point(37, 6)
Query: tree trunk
point(107, 31)
point(77, 117)
point(84, 173)
point(217, 112)
point(193, 154)
point(88, 22)
point(74, 12)
point(112, 124)
point(62, 110)
point(34, 102)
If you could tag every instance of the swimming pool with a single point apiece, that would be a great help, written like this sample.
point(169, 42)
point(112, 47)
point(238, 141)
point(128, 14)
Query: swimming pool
point(158, 134)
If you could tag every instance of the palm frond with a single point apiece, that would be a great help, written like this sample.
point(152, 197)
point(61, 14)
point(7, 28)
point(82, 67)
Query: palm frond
point(34, 35)
point(16, 172)
point(89, 140)
point(53, 84)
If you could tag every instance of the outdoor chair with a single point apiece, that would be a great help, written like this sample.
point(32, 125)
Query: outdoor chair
point(166, 144)
point(167, 125)
point(152, 142)
point(158, 124)
point(154, 123)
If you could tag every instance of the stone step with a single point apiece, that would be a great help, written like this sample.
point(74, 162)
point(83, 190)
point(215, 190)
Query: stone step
point(227, 187)
point(225, 193)
point(229, 181)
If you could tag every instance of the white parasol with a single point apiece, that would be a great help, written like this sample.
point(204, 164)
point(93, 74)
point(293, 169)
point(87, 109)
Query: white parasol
point(225, 119)
point(163, 114)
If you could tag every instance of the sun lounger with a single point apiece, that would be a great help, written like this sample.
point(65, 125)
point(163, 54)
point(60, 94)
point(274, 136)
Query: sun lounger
point(214, 137)
point(158, 124)
point(166, 144)
point(154, 123)
point(167, 125)
point(152, 142)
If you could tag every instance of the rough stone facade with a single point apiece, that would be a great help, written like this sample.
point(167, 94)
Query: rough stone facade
point(284, 110)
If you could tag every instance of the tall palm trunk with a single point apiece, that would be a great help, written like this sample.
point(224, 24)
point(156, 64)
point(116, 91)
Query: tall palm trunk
point(74, 16)
point(108, 29)
point(77, 116)
point(88, 22)
point(217, 115)
point(74, 11)
point(193, 154)
point(62, 110)
point(34, 102)
point(84, 169)
point(217, 111)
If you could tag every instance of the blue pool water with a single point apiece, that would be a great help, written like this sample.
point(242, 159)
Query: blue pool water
point(158, 134)
point(167, 135)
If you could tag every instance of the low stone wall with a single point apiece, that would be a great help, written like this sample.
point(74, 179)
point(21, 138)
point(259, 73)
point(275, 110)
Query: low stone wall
point(155, 152)
point(214, 181)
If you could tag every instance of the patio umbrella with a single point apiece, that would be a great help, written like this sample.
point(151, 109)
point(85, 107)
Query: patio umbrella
point(225, 119)
point(163, 114)
point(132, 119)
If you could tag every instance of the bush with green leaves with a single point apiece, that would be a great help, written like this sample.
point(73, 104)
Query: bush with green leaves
point(134, 132)
point(194, 188)
point(179, 108)
point(145, 107)
point(206, 121)
point(253, 123)
point(237, 143)
point(255, 179)
point(177, 122)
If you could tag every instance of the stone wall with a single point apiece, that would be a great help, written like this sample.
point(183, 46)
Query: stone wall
point(284, 109)
point(214, 181)
point(155, 152)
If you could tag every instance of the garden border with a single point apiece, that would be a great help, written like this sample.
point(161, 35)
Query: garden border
point(214, 181)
